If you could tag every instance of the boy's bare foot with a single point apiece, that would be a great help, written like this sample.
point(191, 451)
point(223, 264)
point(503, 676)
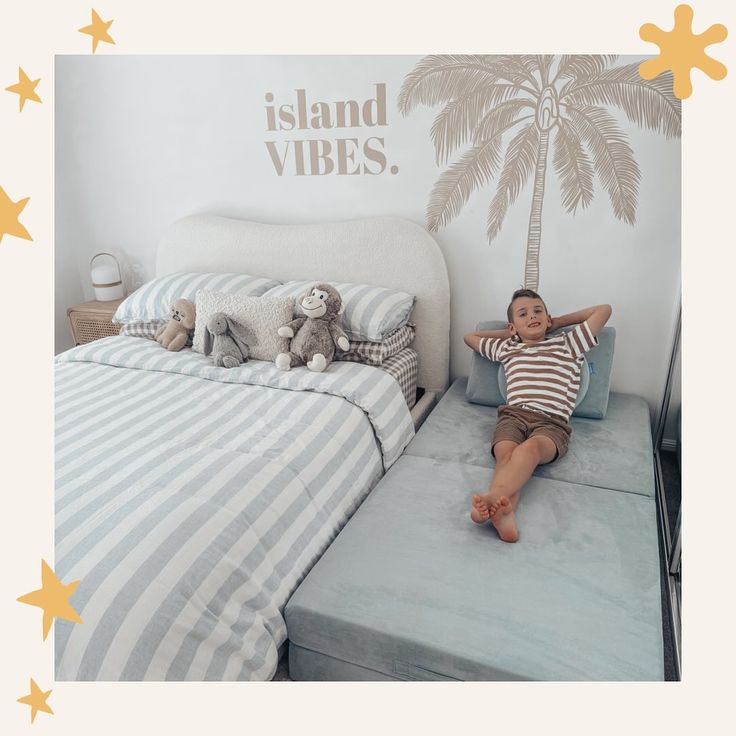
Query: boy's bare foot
point(503, 518)
point(480, 513)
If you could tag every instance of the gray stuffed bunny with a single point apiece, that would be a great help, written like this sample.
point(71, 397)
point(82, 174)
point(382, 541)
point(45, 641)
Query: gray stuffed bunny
point(227, 340)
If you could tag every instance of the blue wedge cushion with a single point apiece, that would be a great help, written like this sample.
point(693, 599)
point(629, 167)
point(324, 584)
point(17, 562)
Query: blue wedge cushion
point(484, 388)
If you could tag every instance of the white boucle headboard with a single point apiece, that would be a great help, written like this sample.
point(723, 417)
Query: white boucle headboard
point(382, 251)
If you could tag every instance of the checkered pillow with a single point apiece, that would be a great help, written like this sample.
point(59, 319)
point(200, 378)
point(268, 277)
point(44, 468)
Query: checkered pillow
point(149, 329)
point(145, 329)
point(404, 367)
point(376, 353)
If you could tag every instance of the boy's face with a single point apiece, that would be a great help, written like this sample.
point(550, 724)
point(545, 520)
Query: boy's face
point(530, 318)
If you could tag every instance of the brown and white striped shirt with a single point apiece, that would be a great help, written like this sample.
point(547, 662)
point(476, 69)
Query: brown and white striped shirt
point(543, 377)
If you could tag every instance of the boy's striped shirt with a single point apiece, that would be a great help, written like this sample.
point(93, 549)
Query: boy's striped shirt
point(544, 377)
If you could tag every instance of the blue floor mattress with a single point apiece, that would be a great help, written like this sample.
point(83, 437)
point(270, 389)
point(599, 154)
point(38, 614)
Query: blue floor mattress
point(411, 589)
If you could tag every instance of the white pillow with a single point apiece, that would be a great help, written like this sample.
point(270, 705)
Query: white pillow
point(371, 312)
point(154, 299)
point(260, 315)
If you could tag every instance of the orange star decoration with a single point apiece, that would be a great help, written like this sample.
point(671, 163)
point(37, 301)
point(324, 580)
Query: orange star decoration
point(37, 700)
point(98, 30)
point(9, 213)
point(25, 89)
point(53, 597)
point(681, 50)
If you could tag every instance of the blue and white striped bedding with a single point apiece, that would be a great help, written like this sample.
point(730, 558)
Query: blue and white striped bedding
point(191, 500)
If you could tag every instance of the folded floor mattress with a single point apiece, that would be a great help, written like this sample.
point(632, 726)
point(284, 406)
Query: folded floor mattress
point(412, 590)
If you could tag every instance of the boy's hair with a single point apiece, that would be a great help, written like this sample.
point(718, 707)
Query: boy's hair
point(519, 293)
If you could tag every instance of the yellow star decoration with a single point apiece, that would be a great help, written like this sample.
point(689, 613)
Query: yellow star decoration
point(681, 50)
point(53, 597)
point(98, 30)
point(37, 700)
point(25, 89)
point(9, 212)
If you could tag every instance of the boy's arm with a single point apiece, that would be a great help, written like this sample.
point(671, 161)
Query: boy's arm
point(596, 317)
point(472, 339)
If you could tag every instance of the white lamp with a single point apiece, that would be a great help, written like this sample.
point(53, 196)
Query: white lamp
point(106, 279)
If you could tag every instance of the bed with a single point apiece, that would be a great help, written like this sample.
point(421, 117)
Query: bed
point(191, 500)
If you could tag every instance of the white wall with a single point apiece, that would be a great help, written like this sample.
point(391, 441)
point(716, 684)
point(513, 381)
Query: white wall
point(141, 141)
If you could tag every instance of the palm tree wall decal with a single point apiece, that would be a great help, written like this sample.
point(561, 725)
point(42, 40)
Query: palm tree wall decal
point(519, 101)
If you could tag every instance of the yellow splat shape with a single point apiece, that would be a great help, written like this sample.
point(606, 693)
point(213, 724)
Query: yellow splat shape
point(681, 50)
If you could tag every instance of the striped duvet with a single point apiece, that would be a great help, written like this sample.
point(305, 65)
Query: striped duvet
point(191, 501)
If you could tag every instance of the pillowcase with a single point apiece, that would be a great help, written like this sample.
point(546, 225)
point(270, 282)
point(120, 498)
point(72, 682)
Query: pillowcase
point(376, 353)
point(483, 383)
point(371, 312)
point(260, 315)
point(146, 328)
point(404, 367)
point(149, 329)
point(154, 299)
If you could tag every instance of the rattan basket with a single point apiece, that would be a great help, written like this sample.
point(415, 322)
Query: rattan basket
point(92, 321)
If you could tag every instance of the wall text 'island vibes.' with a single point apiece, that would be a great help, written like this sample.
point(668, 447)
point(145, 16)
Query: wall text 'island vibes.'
point(334, 155)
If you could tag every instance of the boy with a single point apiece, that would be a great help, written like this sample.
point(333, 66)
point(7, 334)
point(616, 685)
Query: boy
point(542, 382)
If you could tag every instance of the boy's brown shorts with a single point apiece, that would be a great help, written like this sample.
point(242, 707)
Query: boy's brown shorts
point(517, 424)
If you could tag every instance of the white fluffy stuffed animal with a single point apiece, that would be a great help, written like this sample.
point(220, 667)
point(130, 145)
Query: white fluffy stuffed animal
point(173, 335)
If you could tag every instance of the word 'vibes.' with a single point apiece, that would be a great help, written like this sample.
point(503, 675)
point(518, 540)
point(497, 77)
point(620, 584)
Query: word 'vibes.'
point(320, 156)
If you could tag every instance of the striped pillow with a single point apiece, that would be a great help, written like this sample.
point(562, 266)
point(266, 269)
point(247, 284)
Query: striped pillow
point(371, 312)
point(154, 299)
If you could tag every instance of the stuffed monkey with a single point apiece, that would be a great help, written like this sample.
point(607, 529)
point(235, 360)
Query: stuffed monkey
point(315, 335)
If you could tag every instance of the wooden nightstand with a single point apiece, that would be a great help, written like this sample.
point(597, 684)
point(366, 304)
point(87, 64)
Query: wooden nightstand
point(92, 320)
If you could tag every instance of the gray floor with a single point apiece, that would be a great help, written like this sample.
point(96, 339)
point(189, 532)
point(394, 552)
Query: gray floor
point(282, 673)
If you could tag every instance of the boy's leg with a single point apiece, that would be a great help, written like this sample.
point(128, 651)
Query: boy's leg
point(502, 452)
point(509, 477)
point(509, 433)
